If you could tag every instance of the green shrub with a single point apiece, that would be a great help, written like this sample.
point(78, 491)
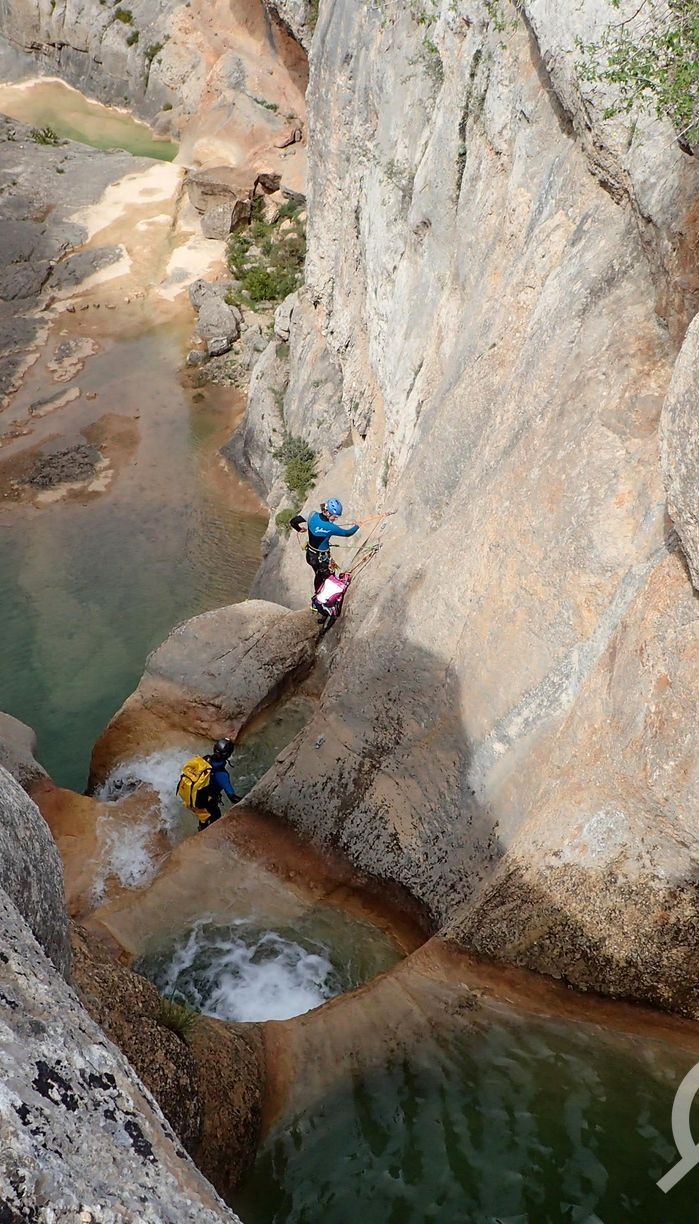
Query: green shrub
point(299, 461)
point(45, 136)
point(124, 15)
point(132, 39)
point(167, 106)
point(153, 50)
point(653, 60)
point(268, 262)
point(177, 1017)
point(284, 517)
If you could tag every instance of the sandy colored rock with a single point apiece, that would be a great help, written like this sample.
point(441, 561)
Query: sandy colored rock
point(509, 726)
point(680, 448)
point(209, 677)
point(219, 185)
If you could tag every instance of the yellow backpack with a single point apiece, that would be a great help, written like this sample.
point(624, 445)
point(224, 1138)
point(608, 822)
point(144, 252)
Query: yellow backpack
point(195, 778)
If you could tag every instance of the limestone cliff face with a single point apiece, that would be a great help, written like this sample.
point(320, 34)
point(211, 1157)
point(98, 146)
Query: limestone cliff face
point(504, 279)
point(226, 76)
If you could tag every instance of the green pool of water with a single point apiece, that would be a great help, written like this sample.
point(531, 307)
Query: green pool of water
point(249, 970)
point(88, 589)
point(513, 1122)
point(52, 103)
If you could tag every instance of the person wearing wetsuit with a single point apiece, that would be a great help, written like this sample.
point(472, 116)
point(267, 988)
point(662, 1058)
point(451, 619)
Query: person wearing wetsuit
point(210, 799)
point(321, 526)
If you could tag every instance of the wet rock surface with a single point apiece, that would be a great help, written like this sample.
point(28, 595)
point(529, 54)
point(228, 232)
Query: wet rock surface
point(64, 466)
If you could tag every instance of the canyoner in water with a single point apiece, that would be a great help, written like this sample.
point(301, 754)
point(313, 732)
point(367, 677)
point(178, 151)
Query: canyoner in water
point(321, 526)
point(204, 779)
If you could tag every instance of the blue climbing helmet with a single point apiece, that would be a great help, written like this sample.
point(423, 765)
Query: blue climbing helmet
point(333, 506)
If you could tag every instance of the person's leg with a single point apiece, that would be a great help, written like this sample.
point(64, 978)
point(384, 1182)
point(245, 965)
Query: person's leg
point(322, 572)
point(211, 805)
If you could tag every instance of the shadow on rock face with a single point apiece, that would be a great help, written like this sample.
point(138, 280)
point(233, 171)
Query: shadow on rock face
point(529, 838)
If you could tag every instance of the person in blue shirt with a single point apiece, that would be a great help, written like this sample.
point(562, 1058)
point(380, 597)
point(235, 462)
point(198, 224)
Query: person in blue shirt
point(210, 799)
point(321, 526)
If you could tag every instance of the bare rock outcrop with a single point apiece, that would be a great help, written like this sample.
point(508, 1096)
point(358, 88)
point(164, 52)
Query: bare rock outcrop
point(31, 872)
point(510, 726)
point(680, 448)
point(209, 1085)
point(18, 744)
point(209, 677)
point(82, 1137)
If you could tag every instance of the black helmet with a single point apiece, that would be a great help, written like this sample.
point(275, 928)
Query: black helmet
point(223, 748)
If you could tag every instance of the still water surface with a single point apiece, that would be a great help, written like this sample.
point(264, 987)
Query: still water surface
point(511, 1121)
point(90, 587)
point(72, 116)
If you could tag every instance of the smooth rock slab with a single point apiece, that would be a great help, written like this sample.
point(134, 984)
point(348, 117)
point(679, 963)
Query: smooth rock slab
point(209, 677)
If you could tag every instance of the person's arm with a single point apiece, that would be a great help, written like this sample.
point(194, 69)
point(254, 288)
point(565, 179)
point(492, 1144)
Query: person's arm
point(223, 780)
point(298, 523)
point(335, 529)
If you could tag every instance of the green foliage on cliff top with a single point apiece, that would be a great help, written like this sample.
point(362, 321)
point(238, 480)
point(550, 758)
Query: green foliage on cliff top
point(123, 15)
point(652, 58)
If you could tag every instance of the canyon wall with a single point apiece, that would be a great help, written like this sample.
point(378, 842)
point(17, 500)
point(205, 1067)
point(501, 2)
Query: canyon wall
point(503, 279)
point(82, 1138)
point(228, 78)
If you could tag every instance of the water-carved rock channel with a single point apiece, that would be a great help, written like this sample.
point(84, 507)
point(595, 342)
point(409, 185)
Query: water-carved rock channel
point(321, 1043)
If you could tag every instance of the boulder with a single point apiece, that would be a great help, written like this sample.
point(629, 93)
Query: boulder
point(218, 346)
point(201, 291)
point(219, 185)
point(31, 872)
point(282, 316)
point(195, 357)
point(17, 748)
point(222, 219)
point(217, 320)
point(267, 183)
point(82, 1138)
point(209, 677)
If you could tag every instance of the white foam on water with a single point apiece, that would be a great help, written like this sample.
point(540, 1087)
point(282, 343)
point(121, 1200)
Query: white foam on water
point(128, 850)
point(127, 854)
point(247, 976)
point(161, 771)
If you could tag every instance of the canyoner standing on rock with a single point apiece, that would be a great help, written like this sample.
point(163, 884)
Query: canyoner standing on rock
point(204, 779)
point(321, 526)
